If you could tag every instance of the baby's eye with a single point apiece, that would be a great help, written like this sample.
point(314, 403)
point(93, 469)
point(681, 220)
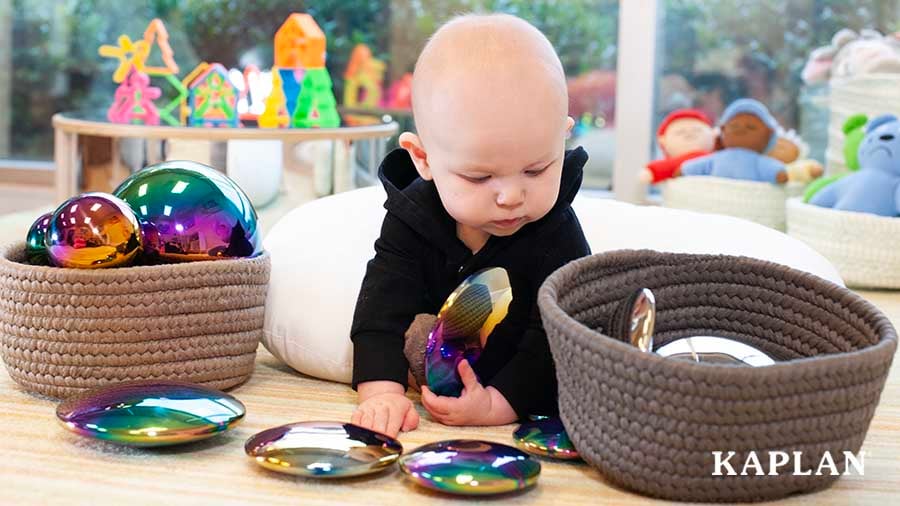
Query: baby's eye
point(472, 179)
point(538, 172)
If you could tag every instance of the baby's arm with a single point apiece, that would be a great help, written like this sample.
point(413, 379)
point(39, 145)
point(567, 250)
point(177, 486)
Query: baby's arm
point(392, 293)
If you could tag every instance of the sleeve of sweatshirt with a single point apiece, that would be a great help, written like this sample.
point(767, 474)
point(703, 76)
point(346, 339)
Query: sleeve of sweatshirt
point(528, 380)
point(392, 293)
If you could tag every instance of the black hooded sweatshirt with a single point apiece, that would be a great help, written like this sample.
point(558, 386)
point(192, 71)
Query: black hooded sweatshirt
point(419, 261)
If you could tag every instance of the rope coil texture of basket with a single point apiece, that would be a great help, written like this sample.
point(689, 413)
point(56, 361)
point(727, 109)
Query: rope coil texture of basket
point(63, 331)
point(651, 424)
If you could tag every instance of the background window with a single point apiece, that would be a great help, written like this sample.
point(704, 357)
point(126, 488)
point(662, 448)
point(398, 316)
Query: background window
point(712, 52)
point(51, 48)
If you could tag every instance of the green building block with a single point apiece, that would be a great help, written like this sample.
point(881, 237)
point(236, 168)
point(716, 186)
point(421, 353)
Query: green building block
point(316, 106)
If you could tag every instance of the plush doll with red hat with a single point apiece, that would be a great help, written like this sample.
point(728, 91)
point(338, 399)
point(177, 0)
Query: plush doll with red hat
point(748, 130)
point(684, 134)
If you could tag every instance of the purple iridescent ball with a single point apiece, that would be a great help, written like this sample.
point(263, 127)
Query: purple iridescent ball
point(189, 211)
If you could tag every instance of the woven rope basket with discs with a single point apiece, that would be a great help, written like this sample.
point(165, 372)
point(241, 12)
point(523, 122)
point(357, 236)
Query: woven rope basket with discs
point(63, 331)
point(651, 423)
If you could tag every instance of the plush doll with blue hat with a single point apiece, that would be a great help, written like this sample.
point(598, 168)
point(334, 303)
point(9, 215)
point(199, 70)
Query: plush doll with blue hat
point(747, 131)
point(875, 187)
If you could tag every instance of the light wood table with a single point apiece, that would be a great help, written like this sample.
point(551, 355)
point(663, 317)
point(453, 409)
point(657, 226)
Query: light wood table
point(42, 463)
point(67, 127)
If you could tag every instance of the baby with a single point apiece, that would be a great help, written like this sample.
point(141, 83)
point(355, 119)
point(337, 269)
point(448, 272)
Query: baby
point(486, 182)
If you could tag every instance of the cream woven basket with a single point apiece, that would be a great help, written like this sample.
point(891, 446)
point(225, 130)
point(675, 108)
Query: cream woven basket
point(762, 203)
point(870, 94)
point(63, 331)
point(864, 248)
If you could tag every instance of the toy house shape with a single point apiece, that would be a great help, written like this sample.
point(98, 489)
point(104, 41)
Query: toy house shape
point(133, 102)
point(213, 99)
point(316, 106)
point(299, 43)
point(157, 37)
point(363, 79)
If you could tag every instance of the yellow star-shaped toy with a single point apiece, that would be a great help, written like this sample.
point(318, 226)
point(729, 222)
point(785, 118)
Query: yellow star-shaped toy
point(130, 54)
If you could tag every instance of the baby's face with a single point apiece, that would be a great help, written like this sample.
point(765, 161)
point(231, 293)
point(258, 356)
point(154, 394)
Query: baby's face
point(497, 164)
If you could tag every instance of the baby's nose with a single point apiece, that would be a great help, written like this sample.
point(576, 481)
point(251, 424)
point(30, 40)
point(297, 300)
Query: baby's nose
point(511, 197)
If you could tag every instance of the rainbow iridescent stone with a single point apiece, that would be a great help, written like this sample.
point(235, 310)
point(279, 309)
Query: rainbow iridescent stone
point(462, 327)
point(35, 241)
point(150, 413)
point(323, 449)
point(470, 467)
point(190, 211)
point(546, 437)
point(93, 230)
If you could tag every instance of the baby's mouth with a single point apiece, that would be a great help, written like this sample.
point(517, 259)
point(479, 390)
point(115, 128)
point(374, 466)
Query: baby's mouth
point(511, 223)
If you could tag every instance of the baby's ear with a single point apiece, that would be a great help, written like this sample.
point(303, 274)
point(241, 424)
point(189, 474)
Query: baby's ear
point(413, 145)
point(570, 122)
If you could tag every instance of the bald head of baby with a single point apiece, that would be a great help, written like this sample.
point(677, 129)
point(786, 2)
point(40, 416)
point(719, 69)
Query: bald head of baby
point(482, 65)
point(490, 107)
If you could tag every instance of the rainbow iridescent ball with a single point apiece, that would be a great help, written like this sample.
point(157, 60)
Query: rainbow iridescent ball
point(190, 211)
point(91, 231)
point(35, 245)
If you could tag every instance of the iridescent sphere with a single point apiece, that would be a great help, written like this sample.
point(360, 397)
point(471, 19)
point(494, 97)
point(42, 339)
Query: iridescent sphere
point(93, 230)
point(189, 211)
point(470, 467)
point(546, 437)
point(323, 449)
point(463, 325)
point(35, 245)
point(150, 413)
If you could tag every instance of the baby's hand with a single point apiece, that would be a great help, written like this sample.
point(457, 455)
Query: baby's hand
point(386, 412)
point(475, 406)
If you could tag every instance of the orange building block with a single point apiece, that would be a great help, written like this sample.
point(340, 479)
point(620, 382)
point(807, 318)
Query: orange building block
point(300, 43)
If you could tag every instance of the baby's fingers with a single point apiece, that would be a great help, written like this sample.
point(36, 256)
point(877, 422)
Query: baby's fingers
point(395, 420)
point(356, 418)
point(410, 421)
point(433, 403)
point(380, 420)
point(367, 419)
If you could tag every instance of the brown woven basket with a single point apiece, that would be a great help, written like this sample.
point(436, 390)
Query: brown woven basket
point(651, 423)
point(63, 331)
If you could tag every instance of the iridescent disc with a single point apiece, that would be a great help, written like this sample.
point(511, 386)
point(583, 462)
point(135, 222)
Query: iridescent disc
point(469, 467)
point(546, 437)
point(323, 449)
point(35, 245)
point(91, 231)
point(465, 321)
point(190, 211)
point(150, 413)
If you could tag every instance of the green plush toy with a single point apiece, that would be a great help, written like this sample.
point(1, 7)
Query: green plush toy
point(854, 131)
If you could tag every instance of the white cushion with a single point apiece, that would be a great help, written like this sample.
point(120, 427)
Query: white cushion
point(319, 254)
